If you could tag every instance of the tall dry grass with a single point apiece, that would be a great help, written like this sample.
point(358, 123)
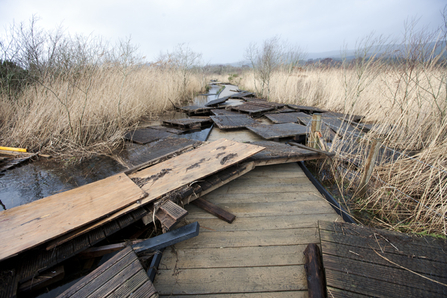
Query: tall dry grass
point(90, 111)
point(406, 100)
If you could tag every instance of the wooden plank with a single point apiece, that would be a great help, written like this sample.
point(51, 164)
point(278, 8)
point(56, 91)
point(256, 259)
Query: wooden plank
point(191, 166)
point(252, 238)
point(373, 287)
point(214, 210)
point(166, 221)
point(231, 280)
point(153, 267)
point(146, 135)
point(275, 131)
point(64, 212)
point(173, 210)
point(94, 252)
point(279, 153)
point(316, 283)
point(167, 239)
point(258, 223)
point(268, 209)
point(423, 266)
point(130, 285)
point(233, 257)
point(187, 123)
point(394, 275)
point(331, 154)
point(231, 122)
point(381, 244)
point(235, 197)
point(254, 107)
point(220, 112)
point(83, 287)
point(146, 290)
point(196, 110)
point(287, 294)
point(284, 117)
point(216, 102)
point(337, 293)
point(305, 108)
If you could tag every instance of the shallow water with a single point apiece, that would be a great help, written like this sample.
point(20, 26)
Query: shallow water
point(44, 177)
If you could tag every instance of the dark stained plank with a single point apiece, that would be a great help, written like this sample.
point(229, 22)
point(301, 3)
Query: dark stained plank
point(188, 123)
point(145, 291)
point(284, 117)
point(129, 285)
point(173, 210)
point(216, 102)
point(316, 282)
point(277, 153)
point(233, 121)
point(385, 273)
point(9, 281)
point(254, 107)
point(305, 108)
point(111, 228)
point(275, 131)
point(219, 112)
point(167, 239)
point(196, 110)
point(153, 267)
point(214, 210)
point(64, 251)
point(373, 287)
point(146, 135)
point(423, 266)
point(45, 279)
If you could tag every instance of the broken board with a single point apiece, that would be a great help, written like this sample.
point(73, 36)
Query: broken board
point(188, 123)
point(279, 153)
point(29, 225)
point(120, 276)
point(146, 135)
point(276, 131)
point(284, 117)
point(191, 166)
point(233, 121)
point(216, 102)
point(196, 110)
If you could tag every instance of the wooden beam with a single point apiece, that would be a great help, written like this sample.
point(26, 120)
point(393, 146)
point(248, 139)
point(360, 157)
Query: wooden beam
point(369, 167)
point(94, 252)
point(214, 210)
point(329, 154)
point(152, 270)
point(316, 282)
point(168, 239)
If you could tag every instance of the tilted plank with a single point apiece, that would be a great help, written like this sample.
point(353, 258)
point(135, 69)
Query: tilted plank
point(64, 212)
point(191, 166)
point(173, 210)
point(214, 210)
point(168, 239)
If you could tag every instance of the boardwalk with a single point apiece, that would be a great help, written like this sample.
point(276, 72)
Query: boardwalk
point(261, 253)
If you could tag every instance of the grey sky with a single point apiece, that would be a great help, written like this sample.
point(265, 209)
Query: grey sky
point(222, 30)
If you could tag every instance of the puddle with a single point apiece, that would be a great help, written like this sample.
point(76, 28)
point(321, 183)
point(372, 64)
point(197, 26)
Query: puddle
point(45, 177)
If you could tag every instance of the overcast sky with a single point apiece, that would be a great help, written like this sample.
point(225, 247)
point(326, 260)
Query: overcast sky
point(222, 30)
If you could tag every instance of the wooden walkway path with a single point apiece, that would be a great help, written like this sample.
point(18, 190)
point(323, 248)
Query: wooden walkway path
point(261, 253)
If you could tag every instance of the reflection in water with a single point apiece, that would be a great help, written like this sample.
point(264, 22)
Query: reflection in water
point(45, 177)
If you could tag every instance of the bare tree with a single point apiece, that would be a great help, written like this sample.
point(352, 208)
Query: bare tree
point(272, 55)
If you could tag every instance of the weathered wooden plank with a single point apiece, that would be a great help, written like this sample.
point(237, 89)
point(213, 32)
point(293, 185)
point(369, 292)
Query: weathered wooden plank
point(96, 235)
point(423, 266)
point(259, 223)
point(312, 149)
point(373, 287)
point(232, 257)
point(223, 198)
point(337, 293)
point(269, 209)
point(284, 117)
point(173, 210)
point(305, 108)
point(394, 275)
point(111, 228)
point(83, 287)
point(233, 121)
point(191, 166)
point(146, 290)
point(167, 239)
point(238, 187)
point(316, 282)
point(231, 280)
point(64, 251)
point(63, 212)
point(94, 252)
point(153, 267)
point(252, 238)
point(130, 285)
point(188, 123)
point(253, 107)
point(219, 112)
point(276, 131)
point(196, 110)
point(217, 101)
point(10, 282)
point(146, 135)
point(214, 210)
point(387, 245)
point(394, 237)
point(287, 294)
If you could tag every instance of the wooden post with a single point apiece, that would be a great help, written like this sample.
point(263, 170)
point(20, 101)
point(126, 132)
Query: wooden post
point(315, 126)
point(369, 166)
point(316, 281)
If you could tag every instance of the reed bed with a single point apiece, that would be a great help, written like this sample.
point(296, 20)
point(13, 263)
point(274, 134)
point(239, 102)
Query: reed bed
point(89, 111)
point(407, 104)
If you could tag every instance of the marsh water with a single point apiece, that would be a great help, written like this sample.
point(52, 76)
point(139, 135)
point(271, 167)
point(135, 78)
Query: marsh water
point(43, 177)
